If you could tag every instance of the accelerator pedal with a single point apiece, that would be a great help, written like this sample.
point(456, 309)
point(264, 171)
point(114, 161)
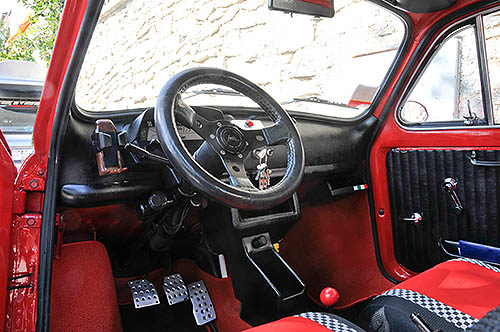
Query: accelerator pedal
point(203, 309)
point(144, 293)
point(175, 289)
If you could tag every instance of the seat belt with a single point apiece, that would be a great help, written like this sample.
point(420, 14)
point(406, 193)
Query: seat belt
point(489, 323)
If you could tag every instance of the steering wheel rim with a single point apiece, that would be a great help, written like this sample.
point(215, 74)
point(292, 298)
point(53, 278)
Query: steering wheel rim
point(238, 195)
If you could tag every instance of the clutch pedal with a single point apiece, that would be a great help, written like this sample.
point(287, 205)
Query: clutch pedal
point(203, 309)
point(144, 293)
point(175, 289)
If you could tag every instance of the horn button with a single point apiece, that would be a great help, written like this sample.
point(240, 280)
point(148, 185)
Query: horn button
point(231, 139)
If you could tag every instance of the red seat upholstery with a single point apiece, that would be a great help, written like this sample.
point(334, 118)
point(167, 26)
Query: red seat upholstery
point(310, 322)
point(453, 294)
point(83, 291)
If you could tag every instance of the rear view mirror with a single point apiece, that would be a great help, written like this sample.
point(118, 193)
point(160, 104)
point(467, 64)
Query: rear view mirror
point(323, 8)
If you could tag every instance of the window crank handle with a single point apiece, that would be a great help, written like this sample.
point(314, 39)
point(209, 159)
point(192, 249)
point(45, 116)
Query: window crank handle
point(449, 185)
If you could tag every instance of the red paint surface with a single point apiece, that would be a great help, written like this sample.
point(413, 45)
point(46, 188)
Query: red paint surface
point(8, 174)
point(21, 303)
point(322, 3)
point(393, 136)
point(83, 292)
point(21, 307)
point(24, 243)
point(332, 245)
point(291, 324)
point(470, 288)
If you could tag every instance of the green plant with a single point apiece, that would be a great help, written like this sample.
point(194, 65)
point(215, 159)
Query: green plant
point(38, 39)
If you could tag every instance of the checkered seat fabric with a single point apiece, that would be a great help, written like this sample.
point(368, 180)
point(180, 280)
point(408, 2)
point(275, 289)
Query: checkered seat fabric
point(310, 322)
point(452, 296)
point(329, 321)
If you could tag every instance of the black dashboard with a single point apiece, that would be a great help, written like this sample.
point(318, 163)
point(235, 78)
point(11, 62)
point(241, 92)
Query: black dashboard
point(142, 130)
point(332, 148)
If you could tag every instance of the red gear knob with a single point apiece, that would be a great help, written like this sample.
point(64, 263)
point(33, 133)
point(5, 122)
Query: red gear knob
point(329, 296)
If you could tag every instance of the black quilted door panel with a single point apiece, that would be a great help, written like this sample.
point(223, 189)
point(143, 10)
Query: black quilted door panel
point(415, 179)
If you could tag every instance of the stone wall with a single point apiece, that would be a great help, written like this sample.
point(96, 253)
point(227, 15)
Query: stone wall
point(139, 44)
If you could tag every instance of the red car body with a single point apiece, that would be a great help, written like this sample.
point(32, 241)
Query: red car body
point(22, 192)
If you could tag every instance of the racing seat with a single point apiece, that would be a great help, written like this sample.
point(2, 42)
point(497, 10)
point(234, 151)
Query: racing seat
point(310, 322)
point(452, 296)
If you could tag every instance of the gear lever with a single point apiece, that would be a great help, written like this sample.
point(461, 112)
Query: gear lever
point(329, 296)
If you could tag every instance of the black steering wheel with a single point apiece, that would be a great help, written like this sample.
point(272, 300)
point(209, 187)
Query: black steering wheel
point(232, 143)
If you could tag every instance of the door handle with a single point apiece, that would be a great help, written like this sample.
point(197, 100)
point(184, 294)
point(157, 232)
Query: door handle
point(449, 185)
point(415, 218)
point(484, 163)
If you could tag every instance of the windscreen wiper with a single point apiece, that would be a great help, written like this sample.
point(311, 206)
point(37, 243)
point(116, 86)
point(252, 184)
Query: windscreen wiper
point(214, 91)
point(317, 100)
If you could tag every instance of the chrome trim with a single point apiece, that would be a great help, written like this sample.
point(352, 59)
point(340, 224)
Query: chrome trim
point(484, 72)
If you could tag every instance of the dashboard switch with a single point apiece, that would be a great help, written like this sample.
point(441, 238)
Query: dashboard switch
point(259, 242)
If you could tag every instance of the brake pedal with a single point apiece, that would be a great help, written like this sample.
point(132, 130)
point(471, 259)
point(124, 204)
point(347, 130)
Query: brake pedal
point(175, 289)
point(144, 293)
point(203, 309)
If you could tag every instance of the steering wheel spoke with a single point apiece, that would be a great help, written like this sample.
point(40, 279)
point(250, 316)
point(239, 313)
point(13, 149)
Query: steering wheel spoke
point(237, 172)
point(187, 116)
point(230, 142)
point(275, 134)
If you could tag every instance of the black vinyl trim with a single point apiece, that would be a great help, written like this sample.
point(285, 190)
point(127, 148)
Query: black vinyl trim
point(393, 99)
point(384, 87)
point(61, 119)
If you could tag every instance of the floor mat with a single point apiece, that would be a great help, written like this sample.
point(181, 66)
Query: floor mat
point(332, 245)
point(227, 307)
point(83, 293)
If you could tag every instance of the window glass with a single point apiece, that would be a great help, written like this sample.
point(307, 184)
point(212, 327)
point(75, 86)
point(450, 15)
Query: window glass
point(449, 86)
point(138, 45)
point(492, 35)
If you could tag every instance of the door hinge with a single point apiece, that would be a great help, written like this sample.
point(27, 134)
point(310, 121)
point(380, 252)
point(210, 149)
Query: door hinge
point(19, 205)
point(59, 223)
point(27, 202)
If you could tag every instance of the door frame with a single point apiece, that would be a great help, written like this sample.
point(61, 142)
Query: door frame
point(8, 171)
point(36, 182)
point(427, 32)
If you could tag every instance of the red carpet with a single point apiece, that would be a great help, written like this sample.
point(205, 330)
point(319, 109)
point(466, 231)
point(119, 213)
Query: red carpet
point(332, 245)
point(83, 291)
point(227, 307)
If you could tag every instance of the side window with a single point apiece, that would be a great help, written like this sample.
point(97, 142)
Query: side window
point(449, 90)
point(492, 36)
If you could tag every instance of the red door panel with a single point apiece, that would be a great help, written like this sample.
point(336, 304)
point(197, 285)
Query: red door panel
point(8, 174)
point(393, 136)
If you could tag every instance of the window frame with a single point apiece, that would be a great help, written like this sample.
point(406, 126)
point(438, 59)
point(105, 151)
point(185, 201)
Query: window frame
point(476, 21)
point(90, 116)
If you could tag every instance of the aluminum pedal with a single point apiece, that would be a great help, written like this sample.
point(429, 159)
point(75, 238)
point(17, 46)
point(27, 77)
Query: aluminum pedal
point(144, 293)
point(203, 309)
point(175, 289)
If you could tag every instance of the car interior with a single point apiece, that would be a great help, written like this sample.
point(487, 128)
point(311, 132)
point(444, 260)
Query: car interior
point(176, 215)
